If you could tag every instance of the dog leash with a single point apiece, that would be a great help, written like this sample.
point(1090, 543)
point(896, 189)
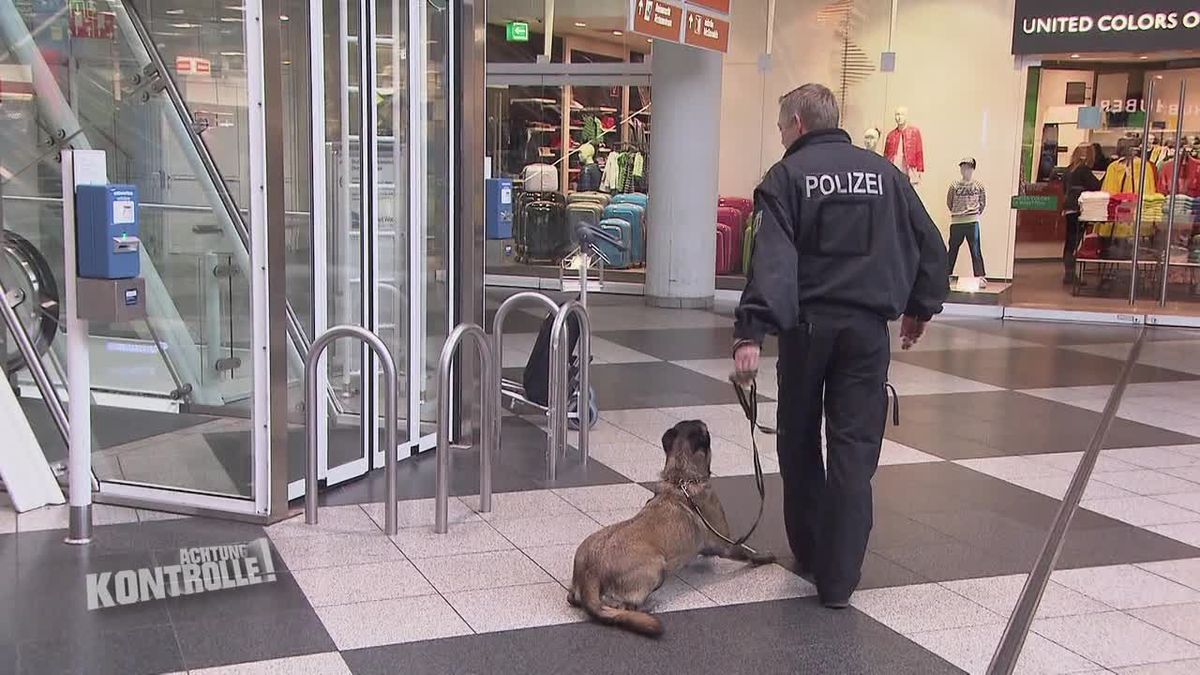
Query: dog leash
point(748, 399)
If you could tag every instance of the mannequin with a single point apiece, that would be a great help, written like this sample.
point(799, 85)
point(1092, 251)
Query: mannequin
point(589, 172)
point(904, 147)
point(967, 200)
point(871, 139)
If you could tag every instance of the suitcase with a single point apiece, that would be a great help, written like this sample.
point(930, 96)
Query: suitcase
point(581, 214)
point(614, 258)
point(732, 217)
point(638, 198)
point(540, 178)
point(743, 205)
point(636, 217)
point(748, 244)
point(725, 256)
point(544, 234)
point(597, 197)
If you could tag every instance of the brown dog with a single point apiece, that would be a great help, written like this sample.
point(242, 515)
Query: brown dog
point(617, 568)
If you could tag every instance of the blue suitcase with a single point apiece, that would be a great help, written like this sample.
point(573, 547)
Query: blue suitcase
point(638, 198)
point(636, 217)
point(614, 258)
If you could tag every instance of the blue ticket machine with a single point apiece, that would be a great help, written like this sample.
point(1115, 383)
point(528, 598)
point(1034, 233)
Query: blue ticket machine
point(499, 204)
point(108, 252)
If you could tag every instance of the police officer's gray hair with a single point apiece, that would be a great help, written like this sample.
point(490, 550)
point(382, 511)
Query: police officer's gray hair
point(814, 104)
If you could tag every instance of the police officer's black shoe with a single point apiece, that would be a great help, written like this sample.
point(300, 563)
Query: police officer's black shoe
point(839, 603)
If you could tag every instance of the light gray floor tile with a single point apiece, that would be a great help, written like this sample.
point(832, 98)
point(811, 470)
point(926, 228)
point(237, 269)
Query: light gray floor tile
point(56, 518)
point(1186, 500)
point(911, 380)
point(1190, 667)
point(677, 596)
point(729, 582)
point(327, 586)
point(421, 512)
point(971, 649)
point(330, 520)
point(558, 560)
point(1148, 483)
point(1125, 587)
point(631, 460)
point(894, 454)
point(1181, 620)
point(565, 528)
point(330, 663)
point(463, 538)
point(1140, 511)
point(1152, 458)
point(388, 622)
point(922, 608)
point(1056, 485)
point(1188, 533)
point(498, 609)
point(335, 550)
point(475, 571)
point(527, 504)
point(1188, 473)
point(148, 516)
point(606, 497)
point(1069, 461)
point(1011, 468)
point(1186, 572)
point(999, 594)
point(607, 518)
point(1115, 640)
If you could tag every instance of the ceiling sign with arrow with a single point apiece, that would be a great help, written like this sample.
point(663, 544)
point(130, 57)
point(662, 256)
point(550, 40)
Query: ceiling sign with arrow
point(681, 22)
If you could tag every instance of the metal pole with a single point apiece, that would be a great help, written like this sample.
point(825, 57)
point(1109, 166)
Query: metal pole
point(560, 376)
point(1147, 104)
point(40, 378)
point(79, 387)
point(489, 410)
point(311, 398)
point(1166, 272)
point(498, 322)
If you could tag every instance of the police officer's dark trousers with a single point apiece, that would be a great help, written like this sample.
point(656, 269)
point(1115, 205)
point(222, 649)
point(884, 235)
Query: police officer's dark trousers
point(834, 365)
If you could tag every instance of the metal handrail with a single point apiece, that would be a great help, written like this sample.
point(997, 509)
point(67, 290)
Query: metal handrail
point(498, 322)
point(391, 421)
point(36, 369)
point(487, 427)
point(559, 377)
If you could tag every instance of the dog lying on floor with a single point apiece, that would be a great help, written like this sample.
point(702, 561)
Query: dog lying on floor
point(618, 567)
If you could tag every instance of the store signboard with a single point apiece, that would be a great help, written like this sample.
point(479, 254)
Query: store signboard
point(706, 31)
point(1082, 26)
point(721, 6)
point(1035, 203)
point(192, 65)
point(656, 19)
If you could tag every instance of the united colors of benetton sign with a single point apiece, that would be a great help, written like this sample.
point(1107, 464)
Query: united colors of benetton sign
point(1062, 26)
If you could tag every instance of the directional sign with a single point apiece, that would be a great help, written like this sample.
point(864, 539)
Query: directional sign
point(721, 6)
point(706, 31)
point(656, 19)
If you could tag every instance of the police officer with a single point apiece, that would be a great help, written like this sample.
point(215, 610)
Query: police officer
point(843, 246)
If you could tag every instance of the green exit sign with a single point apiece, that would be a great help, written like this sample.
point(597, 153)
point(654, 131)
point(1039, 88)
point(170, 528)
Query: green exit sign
point(518, 31)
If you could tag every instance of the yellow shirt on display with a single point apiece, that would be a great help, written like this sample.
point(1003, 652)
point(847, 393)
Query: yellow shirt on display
point(1118, 179)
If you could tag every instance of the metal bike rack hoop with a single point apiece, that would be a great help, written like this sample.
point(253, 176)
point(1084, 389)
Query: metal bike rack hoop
point(488, 424)
point(506, 308)
point(559, 377)
point(391, 421)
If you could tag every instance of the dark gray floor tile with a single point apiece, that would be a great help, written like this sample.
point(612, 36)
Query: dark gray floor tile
point(262, 600)
point(8, 658)
point(520, 466)
point(257, 637)
point(968, 426)
point(1034, 367)
point(682, 344)
point(150, 649)
point(955, 560)
point(111, 427)
point(1057, 334)
point(1119, 544)
point(190, 532)
point(792, 636)
point(628, 386)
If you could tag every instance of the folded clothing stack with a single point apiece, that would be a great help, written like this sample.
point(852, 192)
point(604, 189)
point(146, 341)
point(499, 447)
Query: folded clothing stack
point(1154, 208)
point(1187, 208)
point(1093, 207)
point(1123, 207)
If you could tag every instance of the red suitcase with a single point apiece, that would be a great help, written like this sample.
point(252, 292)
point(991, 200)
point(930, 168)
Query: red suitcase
point(746, 206)
point(725, 257)
point(730, 216)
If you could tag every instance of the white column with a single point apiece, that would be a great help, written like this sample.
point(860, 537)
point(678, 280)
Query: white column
point(684, 149)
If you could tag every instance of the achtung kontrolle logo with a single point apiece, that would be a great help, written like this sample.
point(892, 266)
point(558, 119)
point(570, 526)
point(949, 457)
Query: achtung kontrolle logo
point(200, 570)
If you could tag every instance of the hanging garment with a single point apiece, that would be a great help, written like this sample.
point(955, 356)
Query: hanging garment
point(612, 173)
point(1119, 178)
point(1188, 181)
point(913, 148)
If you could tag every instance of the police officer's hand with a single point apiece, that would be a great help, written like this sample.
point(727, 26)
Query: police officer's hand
point(911, 330)
point(745, 362)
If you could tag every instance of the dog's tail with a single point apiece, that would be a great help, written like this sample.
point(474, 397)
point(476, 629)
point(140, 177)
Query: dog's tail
point(588, 595)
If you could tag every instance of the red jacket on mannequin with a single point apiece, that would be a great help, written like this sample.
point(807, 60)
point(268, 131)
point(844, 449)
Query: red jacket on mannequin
point(914, 148)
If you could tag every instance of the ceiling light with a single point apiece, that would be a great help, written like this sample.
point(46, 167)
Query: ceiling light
point(1074, 56)
point(231, 19)
point(580, 24)
point(174, 11)
point(283, 17)
point(233, 54)
point(617, 33)
point(1144, 58)
point(185, 25)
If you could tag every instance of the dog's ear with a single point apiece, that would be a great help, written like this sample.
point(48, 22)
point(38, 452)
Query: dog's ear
point(668, 440)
